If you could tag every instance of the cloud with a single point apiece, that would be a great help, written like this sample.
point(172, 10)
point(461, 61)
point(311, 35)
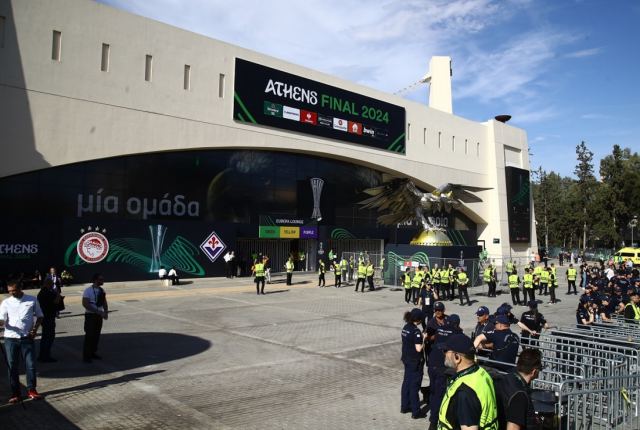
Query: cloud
point(594, 116)
point(584, 53)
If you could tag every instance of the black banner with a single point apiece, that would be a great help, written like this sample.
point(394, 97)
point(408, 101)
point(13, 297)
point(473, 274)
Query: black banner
point(266, 96)
point(518, 199)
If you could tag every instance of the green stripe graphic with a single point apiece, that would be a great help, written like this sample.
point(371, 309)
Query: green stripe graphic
point(396, 142)
point(243, 107)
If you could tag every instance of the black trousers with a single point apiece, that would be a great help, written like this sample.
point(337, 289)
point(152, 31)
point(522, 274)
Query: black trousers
point(464, 291)
point(174, 280)
point(370, 281)
point(531, 292)
point(544, 287)
point(358, 283)
point(321, 282)
point(572, 284)
point(289, 276)
point(259, 281)
point(92, 329)
point(515, 295)
point(552, 293)
point(492, 289)
point(48, 335)
point(446, 291)
point(407, 294)
point(338, 282)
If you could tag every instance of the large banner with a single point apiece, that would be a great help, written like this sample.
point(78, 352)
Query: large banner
point(266, 96)
point(519, 204)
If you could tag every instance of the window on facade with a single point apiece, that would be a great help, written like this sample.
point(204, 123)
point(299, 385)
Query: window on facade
point(3, 24)
point(408, 131)
point(424, 136)
point(466, 146)
point(478, 149)
point(439, 139)
point(221, 86)
point(148, 68)
point(453, 143)
point(56, 47)
point(106, 51)
point(187, 77)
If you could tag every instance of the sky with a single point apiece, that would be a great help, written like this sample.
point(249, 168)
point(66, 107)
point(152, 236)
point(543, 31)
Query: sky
point(565, 70)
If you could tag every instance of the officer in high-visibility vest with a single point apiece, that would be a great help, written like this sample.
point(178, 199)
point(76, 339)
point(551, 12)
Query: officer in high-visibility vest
point(406, 283)
point(553, 284)
point(362, 274)
point(544, 281)
point(370, 272)
point(352, 266)
point(514, 287)
point(445, 284)
point(435, 279)
point(509, 267)
point(289, 268)
point(469, 388)
point(463, 284)
point(488, 277)
point(258, 270)
point(321, 271)
point(529, 290)
point(416, 284)
point(344, 267)
point(632, 309)
point(572, 274)
point(337, 274)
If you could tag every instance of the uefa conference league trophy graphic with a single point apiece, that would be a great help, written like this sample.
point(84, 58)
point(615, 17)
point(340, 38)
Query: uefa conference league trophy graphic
point(316, 189)
point(157, 233)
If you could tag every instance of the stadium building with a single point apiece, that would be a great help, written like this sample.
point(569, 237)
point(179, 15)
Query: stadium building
point(128, 144)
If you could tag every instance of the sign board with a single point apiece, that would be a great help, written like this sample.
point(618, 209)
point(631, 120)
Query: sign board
point(271, 97)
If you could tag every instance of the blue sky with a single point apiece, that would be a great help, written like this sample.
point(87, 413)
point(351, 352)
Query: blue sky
point(566, 70)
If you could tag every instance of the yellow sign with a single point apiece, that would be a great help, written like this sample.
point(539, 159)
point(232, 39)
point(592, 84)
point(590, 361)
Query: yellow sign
point(289, 232)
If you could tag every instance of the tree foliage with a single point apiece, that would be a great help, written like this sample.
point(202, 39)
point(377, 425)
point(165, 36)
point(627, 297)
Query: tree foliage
point(568, 209)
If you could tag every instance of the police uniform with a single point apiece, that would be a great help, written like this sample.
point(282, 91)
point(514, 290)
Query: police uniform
point(362, 274)
point(370, 272)
point(413, 369)
point(337, 275)
point(514, 287)
point(488, 276)
point(534, 321)
point(529, 288)
point(572, 274)
point(258, 269)
point(321, 271)
point(463, 283)
point(505, 347)
point(406, 283)
point(445, 284)
point(427, 299)
point(544, 282)
point(513, 396)
point(289, 267)
point(416, 283)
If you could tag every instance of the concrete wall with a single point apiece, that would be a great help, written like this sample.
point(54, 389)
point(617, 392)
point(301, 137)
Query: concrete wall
point(70, 111)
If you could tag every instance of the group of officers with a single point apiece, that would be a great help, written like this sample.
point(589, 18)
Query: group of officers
point(425, 285)
point(344, 271)
point(461, 393)
point(538, 277)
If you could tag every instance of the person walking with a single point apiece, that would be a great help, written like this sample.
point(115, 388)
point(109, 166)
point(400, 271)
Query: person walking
point(412, 358)
point(20, 315)
point(258, 272)
point(289, 268)
point(267, 268)
point(469, 401)
point(515, 408)
point(463, 284)
point(572, 274)
point(94, 301)
point(48, 299)
point(321, 271)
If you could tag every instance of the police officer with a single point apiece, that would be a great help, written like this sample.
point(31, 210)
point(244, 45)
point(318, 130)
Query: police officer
point(505, 343)
point(362, 274)
point(572, 274)
point(470, 398)
point(427, 299)
point(463, 284)
point(632, 309)
point(535, 322)
point(445, 284)
point(528, 289)
point(514, 287)
point(484, 325)
point(489, 276)
point(416, 284)
point(258, 270)
point(412, 358)
point(337, 275)
point(321, 271)
point(544, 280)
point(406, 283)
point(370, 272)
point(344, 268)
point(435, 279)
point(553, 284)
point(289, 268)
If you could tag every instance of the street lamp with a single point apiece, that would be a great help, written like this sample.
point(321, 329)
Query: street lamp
point(633, 223)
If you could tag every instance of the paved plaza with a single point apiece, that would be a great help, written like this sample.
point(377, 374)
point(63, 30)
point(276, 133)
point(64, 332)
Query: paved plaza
point(211, 354)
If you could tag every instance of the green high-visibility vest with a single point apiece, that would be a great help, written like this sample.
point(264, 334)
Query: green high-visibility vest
point(322, 269)
point(513, 281)
point(362, 271)
point(481, 383)
point(289, 266)
point(528, 280)
point(370, 270)
point(435, 275)
point(544, 277)
point(462, 278)
point(407, 281)
point(259, 269)
point(636, 311)
point(444, 276)
point(571, 274)
point(486, 275)
point(417, 280)
point(510, 267)
point(343, 265)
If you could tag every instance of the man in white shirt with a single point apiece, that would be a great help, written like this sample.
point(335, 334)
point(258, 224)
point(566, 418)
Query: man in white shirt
point(173, 275)
point(94, 301)
point(17, 314)
point(162, 273)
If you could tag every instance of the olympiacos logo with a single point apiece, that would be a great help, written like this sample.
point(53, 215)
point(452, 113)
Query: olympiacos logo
point(93, 246)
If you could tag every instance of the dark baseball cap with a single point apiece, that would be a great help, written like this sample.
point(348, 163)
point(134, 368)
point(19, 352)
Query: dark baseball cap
point(503, 319)
point(417, 314)
point(458, 343)
point(482, 310)
point(532, 304)
point(504, 309)
point(438, 306)
point(454, 319)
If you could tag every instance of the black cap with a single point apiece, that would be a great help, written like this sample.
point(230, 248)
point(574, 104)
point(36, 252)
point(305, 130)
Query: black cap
point(417, 314)
point(532, 304)
point(458, 343)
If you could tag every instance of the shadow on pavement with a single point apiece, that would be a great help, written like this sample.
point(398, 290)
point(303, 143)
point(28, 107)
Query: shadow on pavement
point(121, 352)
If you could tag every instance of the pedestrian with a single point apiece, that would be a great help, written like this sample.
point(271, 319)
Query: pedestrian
point(632, 309)
point(488, 276)
point(267, 268)
point(553, 284)
point(529, 289)
point(470, 399)
point(289, 268)
point(48, 299)
point(258, 271)
point(435, 279)
point(412, 358)
point(544, 281)
point(535, 322)
point(514, 287)
point(463, 284)
point(362, 274)
point(505, 344)
point(227, 264)
point(20, 315)
point(406, 283)
point(427, 299)
point(57, 280)
point(321, 271)
point(370, 272)
point(515, 408)
point(173, 275)
point(338, 275)
point(445, 284)
point(344, 268)
point(484, 324)
point(94, 301)
point(416, 284)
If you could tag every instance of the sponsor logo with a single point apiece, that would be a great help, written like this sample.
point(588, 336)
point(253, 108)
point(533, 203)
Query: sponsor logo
point(355, 127)
point(381, 133)
point(340, 124)
point(289, 112)
point(325, 121)
point(93, 246)
point(18, 248)
point(272, 109)
point(213, 246)
point(308, 117)
point(368, 131)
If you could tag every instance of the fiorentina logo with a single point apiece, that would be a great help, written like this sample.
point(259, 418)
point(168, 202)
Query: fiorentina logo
point(93, 246)
point(213, 246)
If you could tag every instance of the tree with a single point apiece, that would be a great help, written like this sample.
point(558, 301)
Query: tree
point(586, 185)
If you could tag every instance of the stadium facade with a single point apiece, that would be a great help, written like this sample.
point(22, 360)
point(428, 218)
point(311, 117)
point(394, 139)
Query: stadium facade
point(136, 144)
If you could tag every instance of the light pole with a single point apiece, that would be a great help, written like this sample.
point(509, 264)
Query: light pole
point(633, 223)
